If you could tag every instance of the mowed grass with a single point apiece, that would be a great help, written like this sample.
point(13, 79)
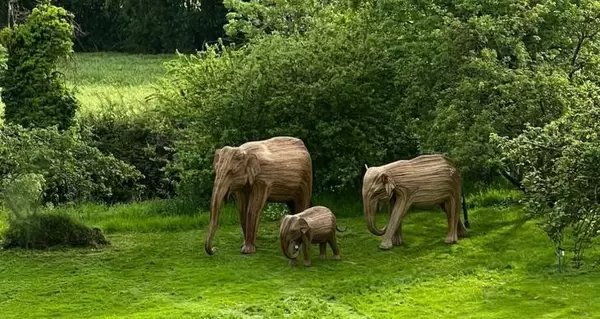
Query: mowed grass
point(100, 79)
point(156, 267)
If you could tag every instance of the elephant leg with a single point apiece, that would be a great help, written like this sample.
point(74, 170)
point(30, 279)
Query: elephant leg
point(397, 239)
point(334, 247)
point(306, 249)
point(462, 230)
point(304, 198)
point(292, 262)
point(241, 199)
point(451, 215)
point(291, 206)
point(257, 200)
point(398, 212)
point(323, 250)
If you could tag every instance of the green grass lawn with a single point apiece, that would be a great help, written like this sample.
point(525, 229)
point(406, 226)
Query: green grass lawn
point(100, 79)
point(156, 267)
point(123, 79)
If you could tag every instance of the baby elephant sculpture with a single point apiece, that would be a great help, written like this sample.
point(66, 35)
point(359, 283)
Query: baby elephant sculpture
point(313, 225)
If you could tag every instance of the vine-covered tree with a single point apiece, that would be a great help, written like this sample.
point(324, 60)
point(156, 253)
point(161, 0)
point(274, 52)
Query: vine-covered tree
point(32, 90)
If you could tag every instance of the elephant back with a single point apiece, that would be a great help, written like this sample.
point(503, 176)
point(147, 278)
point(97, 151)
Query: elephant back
point(433, 177)
point(320, 219)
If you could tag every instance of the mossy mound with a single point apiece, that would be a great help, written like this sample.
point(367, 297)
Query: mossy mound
point(42, 231)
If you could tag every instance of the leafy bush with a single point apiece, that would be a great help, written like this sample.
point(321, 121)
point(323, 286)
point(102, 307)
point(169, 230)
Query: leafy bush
point(332, 92)
point(150, 26)
point(30, 228)
point(3, 56)
point(139, 140)
point(73, 170)
point(274, 211)
point(32, 91)
point(560, 164)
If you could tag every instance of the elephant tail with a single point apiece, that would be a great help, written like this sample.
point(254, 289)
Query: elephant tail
point(341, 231)
point(464, 207)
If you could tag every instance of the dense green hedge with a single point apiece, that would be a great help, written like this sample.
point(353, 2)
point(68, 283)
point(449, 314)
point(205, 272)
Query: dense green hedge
point(74, 170)
point(150, 26)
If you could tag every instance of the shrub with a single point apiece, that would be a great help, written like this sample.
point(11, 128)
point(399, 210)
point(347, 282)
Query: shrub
point(32, 90)
point(30, 228)
point(73, 170)
point(139, 140)
point(331, 92)
point(560, 164)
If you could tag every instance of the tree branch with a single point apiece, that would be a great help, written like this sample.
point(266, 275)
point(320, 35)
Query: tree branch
point(517, 183)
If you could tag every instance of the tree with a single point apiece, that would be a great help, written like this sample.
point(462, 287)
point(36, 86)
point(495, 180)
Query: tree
point(560, 163)
point(32, 90)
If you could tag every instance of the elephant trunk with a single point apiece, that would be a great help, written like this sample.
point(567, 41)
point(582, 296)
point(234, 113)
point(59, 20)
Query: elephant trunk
point(218, 196)
point(370, 210)
point(287, 246)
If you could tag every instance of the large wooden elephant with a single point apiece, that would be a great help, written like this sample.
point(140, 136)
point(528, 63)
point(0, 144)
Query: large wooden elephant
point(278, 169)
point(424, 181)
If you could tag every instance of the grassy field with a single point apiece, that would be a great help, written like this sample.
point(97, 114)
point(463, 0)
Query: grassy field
point(104, 78)
point(100, 79)
point(156, 266)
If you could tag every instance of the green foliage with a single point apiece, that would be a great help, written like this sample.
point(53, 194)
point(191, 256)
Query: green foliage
point(73, 170)
point(139, 140)
point(258, 18)
point(150, 26)
point(32, 91)
point(3, 56)
point(560, 164)
point(332, 92)
point(22, 194)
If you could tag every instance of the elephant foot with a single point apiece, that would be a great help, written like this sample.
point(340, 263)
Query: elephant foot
point(337, 257)
point(292, 262)
point(450, 240)
point(248, 249)
point(323, 256)
point(462, 231)
point(397, 241)
point(386, 245)
point(307, 263)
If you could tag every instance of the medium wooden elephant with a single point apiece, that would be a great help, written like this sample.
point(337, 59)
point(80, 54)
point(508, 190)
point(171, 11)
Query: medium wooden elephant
point(315, 225)
point(424, 181)
point(278, 169)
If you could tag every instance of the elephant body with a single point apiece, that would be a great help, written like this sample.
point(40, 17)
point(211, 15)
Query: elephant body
point(278, 169)
point(315, 225)
point(424, 181)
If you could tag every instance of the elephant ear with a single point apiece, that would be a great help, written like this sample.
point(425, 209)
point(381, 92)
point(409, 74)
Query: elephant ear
point(303, 226)
point(252, 167)
point(388, 184)
point(216, 158)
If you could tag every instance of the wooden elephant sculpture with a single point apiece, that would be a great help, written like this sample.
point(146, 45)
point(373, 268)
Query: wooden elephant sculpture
point(315, 225)
point(425, 181)
point(278, 169)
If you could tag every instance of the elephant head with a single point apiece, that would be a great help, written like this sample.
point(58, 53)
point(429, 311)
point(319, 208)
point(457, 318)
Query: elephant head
point(292, 234)
point(234, 168)
point(377, 186)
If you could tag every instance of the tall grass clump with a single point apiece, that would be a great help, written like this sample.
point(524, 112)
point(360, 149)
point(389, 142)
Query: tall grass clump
point(29, 227)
